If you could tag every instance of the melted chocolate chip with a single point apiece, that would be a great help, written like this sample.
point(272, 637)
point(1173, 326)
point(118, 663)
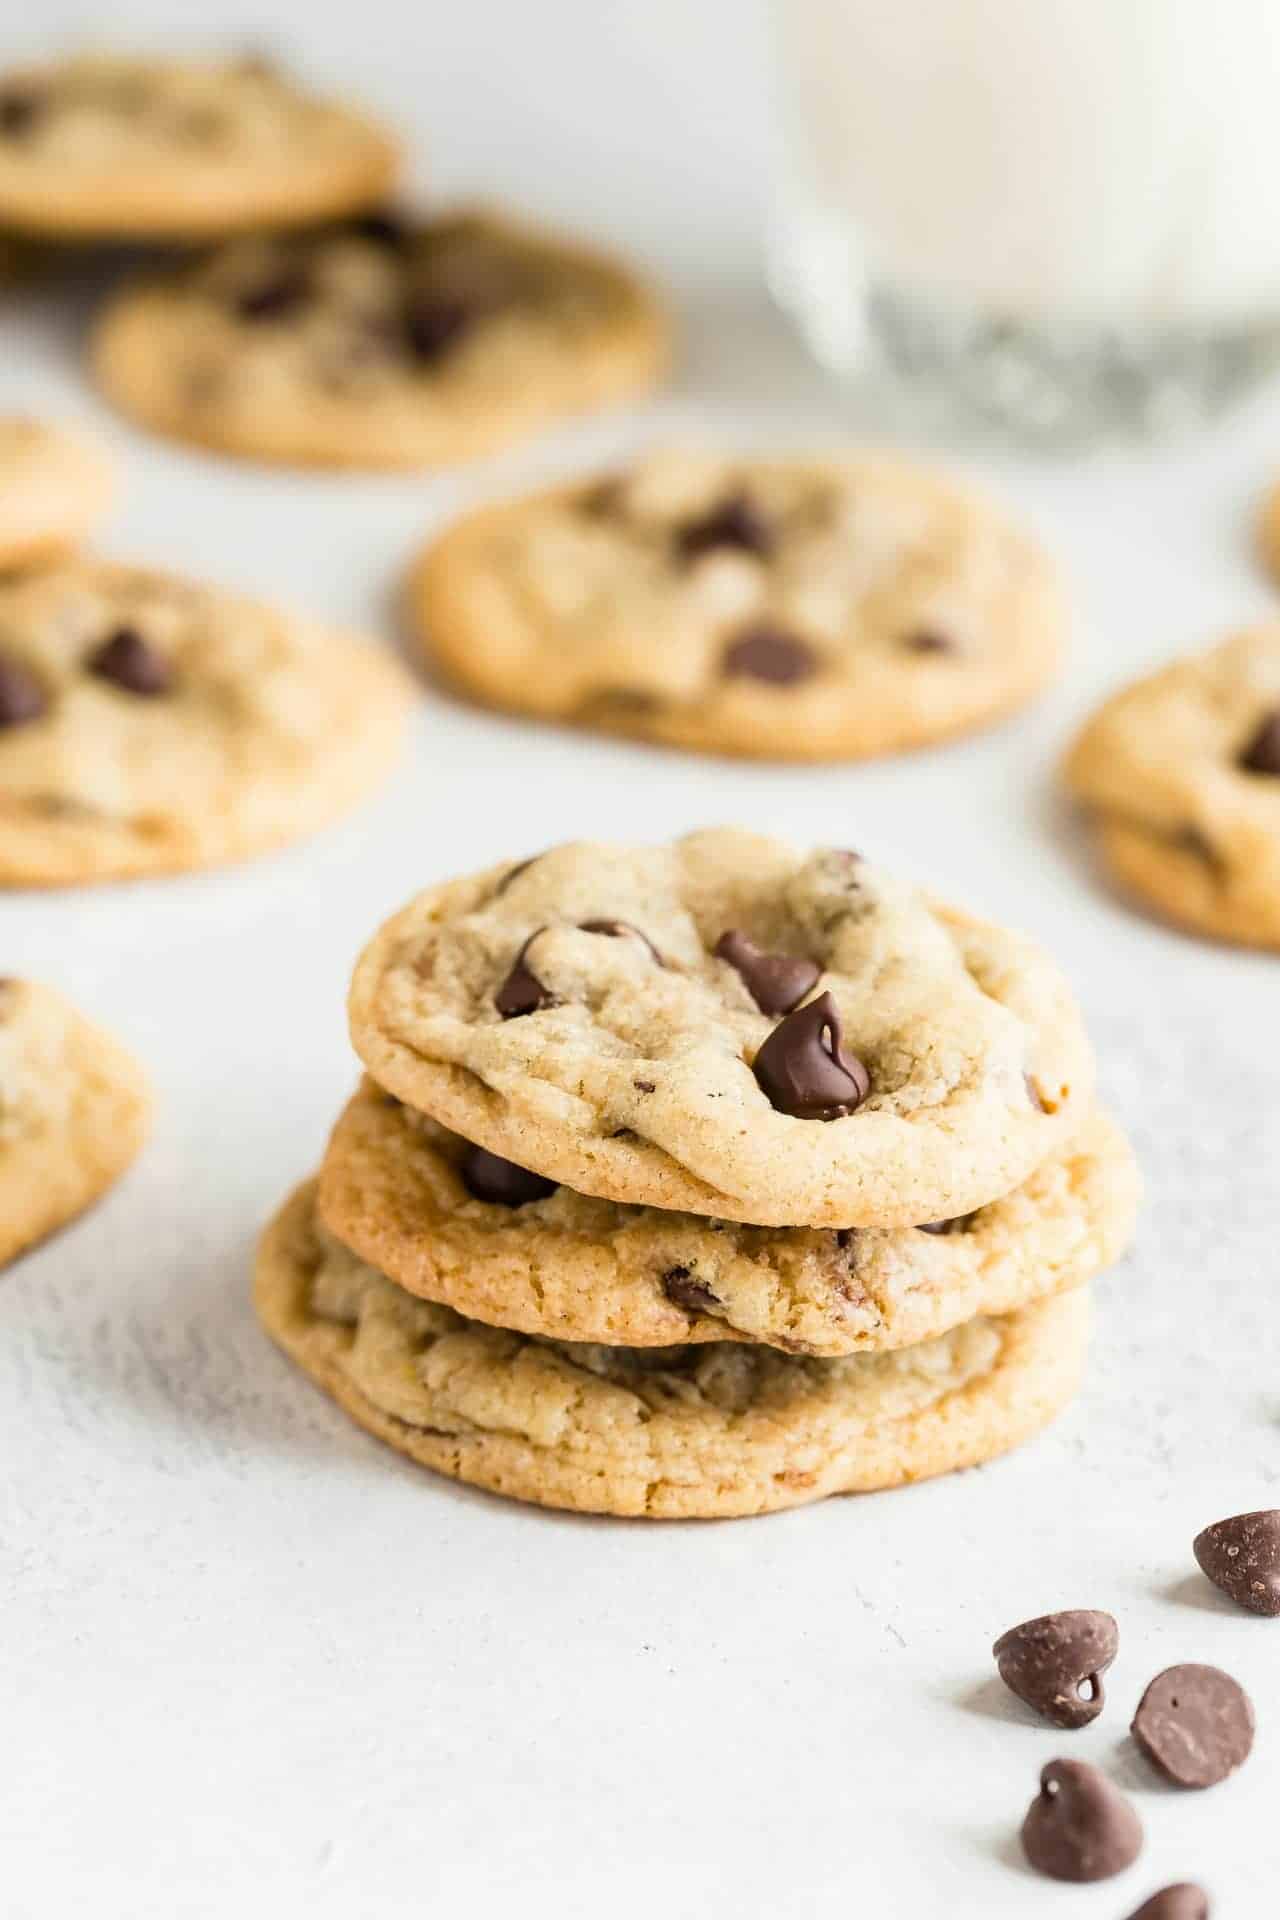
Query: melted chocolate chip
point(644, 1086)
point(1195, 1724)
point(22, 697)
point(125, 659)
point(620, 930)
point(434, 323)
point(20, 108)
point(684, 1291)
point(1055, 1663)
point(766, 652)
point(1242, 1558)
point(275, 297)
point(803, 1070)
point(929, 640)
point(1079, 1827)
point(1183, 1902)
point(522, 991)
point(1262, 752)
point(777, 982)
point(486, 1176)
point(735, 522)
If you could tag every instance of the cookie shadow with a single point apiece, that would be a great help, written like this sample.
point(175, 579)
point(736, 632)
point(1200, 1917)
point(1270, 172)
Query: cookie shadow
point(1194, 1590)
point(990, 1699)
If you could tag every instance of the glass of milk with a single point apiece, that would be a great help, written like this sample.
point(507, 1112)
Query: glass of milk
point(1057, 215)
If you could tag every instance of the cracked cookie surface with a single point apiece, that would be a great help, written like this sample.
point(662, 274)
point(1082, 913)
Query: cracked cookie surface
point(572, 1014)
point(74, 1111)
point(1180, 778)
point(785, 609)
point(690, 1432)
point(109, 145)
point(397, 1188)
point(149, 724)
point(54, 486)
point(382, 343)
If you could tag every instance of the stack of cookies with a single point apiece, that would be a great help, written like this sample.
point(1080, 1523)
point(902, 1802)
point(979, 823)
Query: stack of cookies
point(702, 1180)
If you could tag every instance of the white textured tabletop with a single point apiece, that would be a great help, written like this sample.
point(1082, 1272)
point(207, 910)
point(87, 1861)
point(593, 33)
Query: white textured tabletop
point(251, 1662)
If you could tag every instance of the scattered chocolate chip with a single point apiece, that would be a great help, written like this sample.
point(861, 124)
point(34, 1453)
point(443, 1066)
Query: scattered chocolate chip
point(1183, 1902)
point(777, 982)
point(1055, 1663)
point(803, 1069)
point(1195, 1724)
point(1079, 1827)
point(20, 108)
point(522, 991)
point(1262, 753)
point(684, 1291)
point(22, 697)
point(486, 1176)
point(735, 522)
point(433, 323)
point(765, 652)
point(644, 1086)
point(275, 297)
point(1242, 1557)
point(125, 659)
point(620, 930)
point(929, 640)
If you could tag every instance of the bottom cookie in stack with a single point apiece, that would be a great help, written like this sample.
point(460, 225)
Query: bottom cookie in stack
point(872, 1358)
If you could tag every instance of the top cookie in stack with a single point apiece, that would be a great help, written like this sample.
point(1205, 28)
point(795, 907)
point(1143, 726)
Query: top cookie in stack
point(730, 1027)
point(701, 1180)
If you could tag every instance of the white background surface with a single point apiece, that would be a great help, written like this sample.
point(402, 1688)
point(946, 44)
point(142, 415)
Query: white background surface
point(252, 1663)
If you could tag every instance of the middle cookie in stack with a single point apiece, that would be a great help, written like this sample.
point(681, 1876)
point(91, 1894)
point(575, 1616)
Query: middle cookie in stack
point(911, 1184)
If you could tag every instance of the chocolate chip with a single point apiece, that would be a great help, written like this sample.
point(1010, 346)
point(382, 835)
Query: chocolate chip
point(929, 640)
point(125, 659)
point(684, 1291)
point(275, 297)
point(1183, 1902)
point(486, 1176)
point(644, 1086)
point(22, 697)
point(1079, 1827)
point(1055, 1663)
point(803, 1069)
point(620, 930)
point(1242, 1557)
point(765, 652)
point(1195, 1724)
point(522, 991)
point(1262, 753)
point(433, 323)
point(777, 982)
point(20, 108)
point(384, 228)
point(735, 522)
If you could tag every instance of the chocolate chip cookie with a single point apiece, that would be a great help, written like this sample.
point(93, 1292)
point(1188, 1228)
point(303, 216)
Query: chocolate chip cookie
point(1180, 777)
point(149, 724)
point(99, 146)
point(454, 1224)
point(731, 1027)
point(783, 609)
point(74, 1111)
point(380, 343)
point(53, 487)
point(683, 1432)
